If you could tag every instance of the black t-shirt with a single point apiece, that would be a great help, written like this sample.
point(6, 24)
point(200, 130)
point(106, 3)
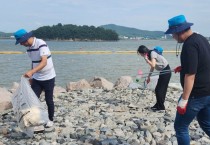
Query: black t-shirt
point(195, 59)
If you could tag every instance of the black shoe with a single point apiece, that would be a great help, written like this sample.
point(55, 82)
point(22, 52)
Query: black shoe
point(158, 109)
point(154, 107)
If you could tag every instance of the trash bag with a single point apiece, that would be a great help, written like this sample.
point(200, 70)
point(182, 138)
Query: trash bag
point(134, 85)
point(27, 108)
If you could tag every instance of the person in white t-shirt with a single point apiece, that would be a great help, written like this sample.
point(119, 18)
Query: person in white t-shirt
point(42, 73)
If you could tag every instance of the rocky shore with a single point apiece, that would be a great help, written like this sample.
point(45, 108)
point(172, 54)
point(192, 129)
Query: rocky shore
point(101, 113)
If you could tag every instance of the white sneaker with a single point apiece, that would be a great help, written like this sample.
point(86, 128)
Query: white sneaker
point(49, 124)
point(38, 128)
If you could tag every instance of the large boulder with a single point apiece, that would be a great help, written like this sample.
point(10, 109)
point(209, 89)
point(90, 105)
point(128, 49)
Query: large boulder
point(5, 99)
point(123, 82)
point(58, 91)
point(99, 82)
point(80, 85)
point(175, 86)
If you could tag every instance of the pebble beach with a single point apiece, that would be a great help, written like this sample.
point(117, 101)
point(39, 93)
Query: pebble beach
point(100, 116)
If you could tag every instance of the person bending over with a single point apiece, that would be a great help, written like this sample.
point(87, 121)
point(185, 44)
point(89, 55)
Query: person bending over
point(42, 73)
point(159, 63)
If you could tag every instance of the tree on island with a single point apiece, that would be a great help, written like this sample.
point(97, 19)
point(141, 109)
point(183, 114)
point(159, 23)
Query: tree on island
point(74, 32)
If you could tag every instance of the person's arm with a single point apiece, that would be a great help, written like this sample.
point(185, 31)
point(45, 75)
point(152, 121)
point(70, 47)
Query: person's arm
point(39, 67)
point(188, 85)
point(151, 69)
point(151, 62)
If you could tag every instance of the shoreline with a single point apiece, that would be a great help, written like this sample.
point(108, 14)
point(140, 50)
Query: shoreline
point(85, 52)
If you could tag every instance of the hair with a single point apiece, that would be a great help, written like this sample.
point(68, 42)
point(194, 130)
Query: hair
point(142, 49)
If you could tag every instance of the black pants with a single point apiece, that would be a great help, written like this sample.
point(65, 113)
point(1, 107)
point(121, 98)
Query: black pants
point(48, 87)
point(161, 88)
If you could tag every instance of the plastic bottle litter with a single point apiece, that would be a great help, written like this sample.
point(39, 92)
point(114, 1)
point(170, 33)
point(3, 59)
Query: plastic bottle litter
point(139, 76)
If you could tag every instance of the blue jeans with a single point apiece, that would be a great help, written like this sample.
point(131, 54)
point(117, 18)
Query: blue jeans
point(197, 107)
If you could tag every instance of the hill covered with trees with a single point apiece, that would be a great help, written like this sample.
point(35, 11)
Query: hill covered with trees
point(133, 32)
point(109, 32)
point(75, 33)
point(5, 35)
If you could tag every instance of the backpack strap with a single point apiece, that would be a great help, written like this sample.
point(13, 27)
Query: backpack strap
point(149, 54)
point(150, 51)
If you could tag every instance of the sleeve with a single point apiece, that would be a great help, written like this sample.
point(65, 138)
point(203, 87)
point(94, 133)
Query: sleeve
point(153, 55)
point(190, 60)
point(44, 51)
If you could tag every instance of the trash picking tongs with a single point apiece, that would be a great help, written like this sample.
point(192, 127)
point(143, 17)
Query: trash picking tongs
point(143, 90)
point(153, 74)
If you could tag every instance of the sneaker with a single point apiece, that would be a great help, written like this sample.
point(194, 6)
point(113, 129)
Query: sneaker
point(39, 128)
point(49, 124)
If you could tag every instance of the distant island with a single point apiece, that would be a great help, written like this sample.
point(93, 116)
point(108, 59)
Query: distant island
point(109, 32)
point(5, 35)
point(75, 33)
point(133, 33)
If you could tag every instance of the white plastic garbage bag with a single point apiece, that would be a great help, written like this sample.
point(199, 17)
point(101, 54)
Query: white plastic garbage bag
point(27, 108)
point(134, 85)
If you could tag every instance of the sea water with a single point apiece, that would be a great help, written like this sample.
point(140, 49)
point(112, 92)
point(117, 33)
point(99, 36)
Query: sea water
point(73, 67)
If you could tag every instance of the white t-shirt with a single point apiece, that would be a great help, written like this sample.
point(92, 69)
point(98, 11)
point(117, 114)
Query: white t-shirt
point(38, 49)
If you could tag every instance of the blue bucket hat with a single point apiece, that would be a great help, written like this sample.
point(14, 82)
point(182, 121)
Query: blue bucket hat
point(22, 36)
point(177, 24)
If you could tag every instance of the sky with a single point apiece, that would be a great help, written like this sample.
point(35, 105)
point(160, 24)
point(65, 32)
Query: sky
point(150, 15)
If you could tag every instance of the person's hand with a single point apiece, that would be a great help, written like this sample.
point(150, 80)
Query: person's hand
point(177, 69)
point(145, 56)
point(30, 81)
point(182, 106)
point(28, 74)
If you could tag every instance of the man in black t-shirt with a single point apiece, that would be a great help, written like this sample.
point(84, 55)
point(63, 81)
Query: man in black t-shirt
point(194, 77)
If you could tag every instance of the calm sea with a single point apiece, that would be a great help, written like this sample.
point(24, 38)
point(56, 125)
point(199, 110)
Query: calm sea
point(73, 67)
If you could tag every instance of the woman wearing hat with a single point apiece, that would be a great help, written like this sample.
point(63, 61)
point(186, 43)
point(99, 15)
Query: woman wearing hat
point(194, 77)
point(42, 72)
